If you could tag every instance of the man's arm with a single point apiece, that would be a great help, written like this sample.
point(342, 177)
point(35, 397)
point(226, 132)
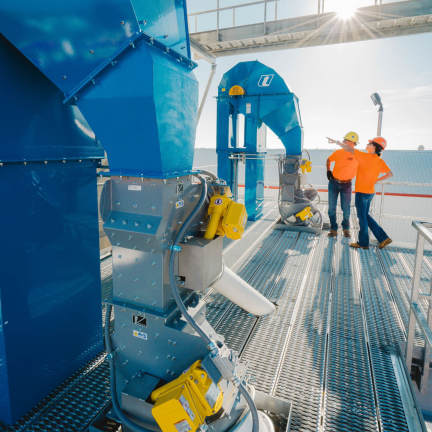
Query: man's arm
point(385, 177)
point(346, 147)
point(328, 163)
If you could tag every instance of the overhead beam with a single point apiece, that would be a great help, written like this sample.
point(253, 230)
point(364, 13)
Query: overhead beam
point(373, 22)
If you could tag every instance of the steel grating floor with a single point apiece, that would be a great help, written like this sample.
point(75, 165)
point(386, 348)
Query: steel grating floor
point(330, 347)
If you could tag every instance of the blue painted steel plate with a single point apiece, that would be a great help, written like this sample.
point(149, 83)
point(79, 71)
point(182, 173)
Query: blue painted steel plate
point(69, 40)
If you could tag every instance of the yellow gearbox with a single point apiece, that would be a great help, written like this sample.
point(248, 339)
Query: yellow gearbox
point(183, 404)
point(227, 217)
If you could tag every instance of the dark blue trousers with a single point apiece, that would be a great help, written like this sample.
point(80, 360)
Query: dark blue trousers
point(362, 203)
point(334, 190)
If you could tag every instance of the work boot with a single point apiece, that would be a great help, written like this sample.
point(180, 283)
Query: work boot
point(346, 233)
point(332, 233)
point(357, 246)
point(384, 243)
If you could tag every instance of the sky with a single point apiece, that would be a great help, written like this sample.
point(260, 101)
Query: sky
point(334, 84)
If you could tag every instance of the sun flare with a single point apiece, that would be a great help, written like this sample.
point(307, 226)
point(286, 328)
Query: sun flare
point(345, 9)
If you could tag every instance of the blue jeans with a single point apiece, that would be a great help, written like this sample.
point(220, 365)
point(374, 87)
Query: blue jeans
point(334, 189)
point(362, 203)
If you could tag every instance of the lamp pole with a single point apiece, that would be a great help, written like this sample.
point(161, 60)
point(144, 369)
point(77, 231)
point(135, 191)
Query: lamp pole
point(376, 99)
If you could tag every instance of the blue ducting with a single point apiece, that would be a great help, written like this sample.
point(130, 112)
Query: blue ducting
point(70, 40)
point(143, 110)
point(50, 298)
point(126, 65)
point(76, 76)
point(274, 103)
point(264, 99)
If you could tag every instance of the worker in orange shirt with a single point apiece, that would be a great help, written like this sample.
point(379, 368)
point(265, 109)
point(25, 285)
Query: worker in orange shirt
point(344, 170)
point(370, 167)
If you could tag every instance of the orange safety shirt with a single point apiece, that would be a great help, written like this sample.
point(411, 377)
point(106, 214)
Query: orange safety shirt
point(369, 168)
point(345, 165)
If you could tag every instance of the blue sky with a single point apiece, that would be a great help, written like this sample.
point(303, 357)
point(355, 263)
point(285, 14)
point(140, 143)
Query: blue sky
point(334, 84)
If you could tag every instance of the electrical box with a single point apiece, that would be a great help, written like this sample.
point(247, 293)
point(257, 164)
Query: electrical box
point(200, 263)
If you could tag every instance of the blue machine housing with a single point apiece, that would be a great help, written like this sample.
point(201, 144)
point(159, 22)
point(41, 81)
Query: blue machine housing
point(266, 100)
point(77, 75)
point(50, 299)
point(113, 59)
point(143, 110)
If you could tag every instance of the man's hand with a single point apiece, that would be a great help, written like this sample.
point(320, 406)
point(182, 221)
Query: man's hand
point(329, 175)
point(331, 140)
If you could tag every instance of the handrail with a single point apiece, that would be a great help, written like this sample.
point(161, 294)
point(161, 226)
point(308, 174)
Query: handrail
point(321, 10)
point(423, 229)
point(231, 7)
point(416, 316)
point(218, 10)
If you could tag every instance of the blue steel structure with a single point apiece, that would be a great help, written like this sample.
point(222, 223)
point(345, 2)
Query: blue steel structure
point(267, 100)
point(116, 74)
point(50, 301)
point(119, 71)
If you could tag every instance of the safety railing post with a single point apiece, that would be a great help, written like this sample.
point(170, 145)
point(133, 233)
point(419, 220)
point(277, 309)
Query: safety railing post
point(265, 17)
point(217, 19)
point(427, 353)
point(414, 299)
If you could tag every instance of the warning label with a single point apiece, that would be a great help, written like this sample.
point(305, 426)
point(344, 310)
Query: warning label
point(140, 334)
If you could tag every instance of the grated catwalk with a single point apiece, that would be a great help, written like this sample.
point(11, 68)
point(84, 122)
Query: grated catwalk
point(341, 315)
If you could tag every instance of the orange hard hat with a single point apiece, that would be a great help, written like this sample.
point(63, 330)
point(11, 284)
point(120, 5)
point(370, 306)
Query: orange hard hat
point(380, 141)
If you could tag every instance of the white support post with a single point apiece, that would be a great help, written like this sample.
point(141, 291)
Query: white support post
point(204, 97)
point(414, 299)
point(217, 20)
point(427, 352)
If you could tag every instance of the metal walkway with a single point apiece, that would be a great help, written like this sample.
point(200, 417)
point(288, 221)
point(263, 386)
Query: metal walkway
point(331, 347)
point(371, 22)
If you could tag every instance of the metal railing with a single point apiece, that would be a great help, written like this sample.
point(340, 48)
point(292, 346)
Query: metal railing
point(383, 194)
point(321, 9)
point(416, 316)
point(234, 8)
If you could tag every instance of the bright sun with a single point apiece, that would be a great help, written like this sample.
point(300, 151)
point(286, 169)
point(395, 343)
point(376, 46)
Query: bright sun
point(345, 9)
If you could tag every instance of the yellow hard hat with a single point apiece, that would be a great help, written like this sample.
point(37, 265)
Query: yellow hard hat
point(352, 136)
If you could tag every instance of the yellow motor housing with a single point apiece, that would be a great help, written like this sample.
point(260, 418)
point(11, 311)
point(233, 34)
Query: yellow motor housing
point(227, 217)
point(306, 166)
point(305, 214)
point(183, 404)
point(234, 220)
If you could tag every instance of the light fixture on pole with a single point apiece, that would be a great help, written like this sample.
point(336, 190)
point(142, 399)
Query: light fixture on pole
point(376, 99)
